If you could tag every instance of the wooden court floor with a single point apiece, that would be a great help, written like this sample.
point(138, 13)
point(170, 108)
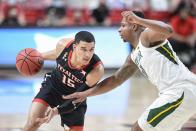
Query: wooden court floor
point(140, 94)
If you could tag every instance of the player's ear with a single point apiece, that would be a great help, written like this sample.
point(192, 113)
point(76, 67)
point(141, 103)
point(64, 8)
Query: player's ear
point(134, 27)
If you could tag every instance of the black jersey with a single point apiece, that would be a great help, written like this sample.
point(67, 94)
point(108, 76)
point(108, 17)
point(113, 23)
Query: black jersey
point(65, 78)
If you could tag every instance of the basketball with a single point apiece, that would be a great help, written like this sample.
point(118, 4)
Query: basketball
point(29, 61)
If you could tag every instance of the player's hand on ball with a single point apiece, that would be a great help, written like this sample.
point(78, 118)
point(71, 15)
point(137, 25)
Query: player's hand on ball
point(78, 96)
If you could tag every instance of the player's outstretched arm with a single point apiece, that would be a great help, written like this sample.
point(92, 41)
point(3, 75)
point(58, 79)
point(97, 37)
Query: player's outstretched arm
point(125, 72)
point(107, 84)
point(156, 30)
point(53, 54)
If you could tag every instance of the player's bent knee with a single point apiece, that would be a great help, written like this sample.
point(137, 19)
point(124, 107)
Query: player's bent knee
point(136, 127)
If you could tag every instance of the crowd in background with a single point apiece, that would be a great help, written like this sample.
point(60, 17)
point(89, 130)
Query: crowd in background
point(58, 13)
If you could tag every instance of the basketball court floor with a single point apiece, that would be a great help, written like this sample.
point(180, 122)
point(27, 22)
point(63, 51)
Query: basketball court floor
point(113, 111)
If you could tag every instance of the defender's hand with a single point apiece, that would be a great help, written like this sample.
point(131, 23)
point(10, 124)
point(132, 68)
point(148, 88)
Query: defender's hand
point(130, 17)
point(78, 96)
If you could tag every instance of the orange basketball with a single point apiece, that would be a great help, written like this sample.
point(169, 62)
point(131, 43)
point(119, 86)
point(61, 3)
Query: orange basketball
point(29, 61)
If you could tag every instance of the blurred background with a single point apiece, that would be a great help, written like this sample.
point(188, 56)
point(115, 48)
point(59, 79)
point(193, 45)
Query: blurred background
point(41, 23)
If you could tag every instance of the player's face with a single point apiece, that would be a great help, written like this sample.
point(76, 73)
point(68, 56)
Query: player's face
point(84, 51)
point(125, 30)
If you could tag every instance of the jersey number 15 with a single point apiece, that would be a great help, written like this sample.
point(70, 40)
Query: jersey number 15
point(67, 81)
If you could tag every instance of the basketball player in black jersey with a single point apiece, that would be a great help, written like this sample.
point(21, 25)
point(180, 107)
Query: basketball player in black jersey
point(78, 68)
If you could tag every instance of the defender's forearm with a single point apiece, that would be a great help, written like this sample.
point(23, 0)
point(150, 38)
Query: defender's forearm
point(125, 72)
point(158, 26)
point(104, 86)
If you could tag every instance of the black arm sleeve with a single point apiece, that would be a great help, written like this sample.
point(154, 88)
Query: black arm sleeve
point(68, 106)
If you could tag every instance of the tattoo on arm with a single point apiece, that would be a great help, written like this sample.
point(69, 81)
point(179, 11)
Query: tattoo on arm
point(126, 71)
point(115, 80)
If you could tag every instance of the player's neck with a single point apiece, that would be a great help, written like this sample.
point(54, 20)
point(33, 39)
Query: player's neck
point(134, 41)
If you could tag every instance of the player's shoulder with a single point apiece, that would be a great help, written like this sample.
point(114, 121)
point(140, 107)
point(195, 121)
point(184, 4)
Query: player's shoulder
point(62, 44)
point(96, 60)
point(65, 42)
point(96, 57)
point(96, 64)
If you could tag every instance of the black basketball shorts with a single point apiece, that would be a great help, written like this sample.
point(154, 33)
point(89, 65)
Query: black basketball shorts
point(49, 97)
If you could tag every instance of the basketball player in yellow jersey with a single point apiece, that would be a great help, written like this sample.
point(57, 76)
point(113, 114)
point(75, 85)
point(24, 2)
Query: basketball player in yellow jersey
point(153, 55)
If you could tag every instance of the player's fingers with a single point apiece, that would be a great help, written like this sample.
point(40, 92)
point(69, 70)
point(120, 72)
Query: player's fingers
point(40, 121)
point(50, 116)
point(127, 17)
point(44, 120)
point(47, 112)
point(74, 95)
point(48, 119)
point(122, 13)
point(79, 100)
point(126, 14)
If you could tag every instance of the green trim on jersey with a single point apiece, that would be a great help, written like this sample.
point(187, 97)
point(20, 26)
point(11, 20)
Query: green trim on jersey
point(167, 52)
point(156, 115)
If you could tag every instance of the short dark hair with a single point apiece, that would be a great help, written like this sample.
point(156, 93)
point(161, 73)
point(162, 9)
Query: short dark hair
point(139, 13)
point(84, 36)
